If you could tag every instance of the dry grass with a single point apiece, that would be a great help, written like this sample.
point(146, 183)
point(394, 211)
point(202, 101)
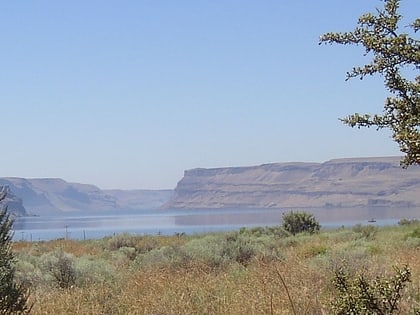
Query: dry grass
point(298, 282)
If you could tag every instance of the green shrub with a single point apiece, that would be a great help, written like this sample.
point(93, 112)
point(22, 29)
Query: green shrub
point(363, 296)
point(415, 233)
point(90, 270)
point(219, 250)
point(166, 256)
point(226, 248)
point(300, 221)
point(356, 257)
point(207, 250)
point(61, 267)
point(237, 248)
point(314, 250)
point(366, 231)
point(28, 273)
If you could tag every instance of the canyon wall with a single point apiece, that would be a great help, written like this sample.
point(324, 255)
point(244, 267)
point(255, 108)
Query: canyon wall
point(352, 182)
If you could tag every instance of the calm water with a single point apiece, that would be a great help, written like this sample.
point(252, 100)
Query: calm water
point(189, 221)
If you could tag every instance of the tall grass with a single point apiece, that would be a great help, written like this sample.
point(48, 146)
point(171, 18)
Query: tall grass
point(251, 271)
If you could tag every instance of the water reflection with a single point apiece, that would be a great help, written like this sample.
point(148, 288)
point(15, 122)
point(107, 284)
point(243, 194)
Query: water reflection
point(191, 221)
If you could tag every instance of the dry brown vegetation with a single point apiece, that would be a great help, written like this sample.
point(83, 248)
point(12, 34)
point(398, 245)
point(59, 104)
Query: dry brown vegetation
point(252, 271)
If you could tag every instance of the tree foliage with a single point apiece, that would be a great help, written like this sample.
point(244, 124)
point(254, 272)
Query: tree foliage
point(396, 57)
point(300, 221)
point(13, 296)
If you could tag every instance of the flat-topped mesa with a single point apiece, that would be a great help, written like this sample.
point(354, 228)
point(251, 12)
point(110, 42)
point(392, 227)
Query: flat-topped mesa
point(339, 183)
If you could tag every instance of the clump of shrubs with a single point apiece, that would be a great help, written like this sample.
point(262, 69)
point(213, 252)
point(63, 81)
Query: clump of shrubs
point(218, 250)
point(59, 269)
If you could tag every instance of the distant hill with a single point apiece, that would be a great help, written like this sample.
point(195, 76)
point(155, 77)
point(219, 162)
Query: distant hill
point(350, 182)
point(46, 196)
point(141, 199)
point(12, 202)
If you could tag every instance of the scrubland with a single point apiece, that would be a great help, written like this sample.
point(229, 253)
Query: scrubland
point(251, 271)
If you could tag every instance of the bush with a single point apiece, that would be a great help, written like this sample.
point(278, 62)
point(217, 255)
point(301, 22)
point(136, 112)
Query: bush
point(314, 250)
point(207, 250)
point(121, 240)
point(91, 270)
point(243, 247)
point(237, 248)
point(13, 296)
point(217, 251)
point(27, 273)
point(415, 233)
point(61, 267)
point(366, 231)
point(164, 257)
point(300, 221)
point(365, 297)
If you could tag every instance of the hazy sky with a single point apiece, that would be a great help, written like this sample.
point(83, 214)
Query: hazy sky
point(129, 94)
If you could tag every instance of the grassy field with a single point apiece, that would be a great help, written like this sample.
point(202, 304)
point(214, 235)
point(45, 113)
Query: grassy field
point(251, 271)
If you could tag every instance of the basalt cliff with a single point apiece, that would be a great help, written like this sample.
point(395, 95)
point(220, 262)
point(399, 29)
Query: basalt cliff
point(353, 182)
point(12, 202)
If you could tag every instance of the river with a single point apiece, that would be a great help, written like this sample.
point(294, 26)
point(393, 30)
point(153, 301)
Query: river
point(169, 222)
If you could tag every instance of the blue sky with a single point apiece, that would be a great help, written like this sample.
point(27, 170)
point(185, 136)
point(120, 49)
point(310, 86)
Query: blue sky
point(129, 94)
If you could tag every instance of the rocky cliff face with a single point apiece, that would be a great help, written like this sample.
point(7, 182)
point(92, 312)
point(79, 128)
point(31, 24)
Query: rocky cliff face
point(336, 183)
point(53, 196)
point(12, 202)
